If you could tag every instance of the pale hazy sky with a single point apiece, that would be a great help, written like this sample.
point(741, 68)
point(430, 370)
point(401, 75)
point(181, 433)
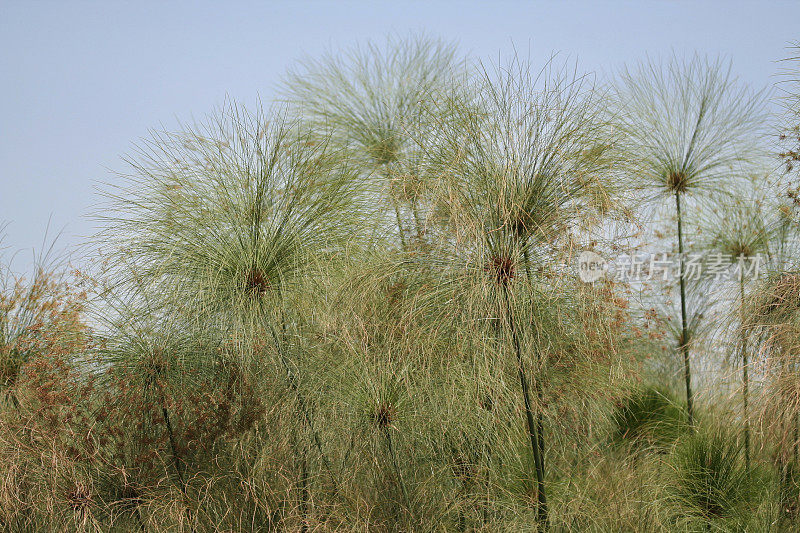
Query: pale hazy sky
point(82, 81)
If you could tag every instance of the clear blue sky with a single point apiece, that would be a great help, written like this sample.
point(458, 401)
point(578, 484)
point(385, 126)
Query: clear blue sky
point(82, 81)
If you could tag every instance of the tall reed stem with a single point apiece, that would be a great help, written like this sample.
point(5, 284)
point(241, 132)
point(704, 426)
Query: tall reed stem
point(303, 407)
point(684, 346)
point(745, 378)
point(393, 457)
point(399, 225)
point(539, 415)
point(176, 458)
point(304, 492)
point(305, 413)
point(538, 460)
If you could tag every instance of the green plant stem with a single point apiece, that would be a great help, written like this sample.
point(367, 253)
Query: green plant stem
point(399, 224)
point(304, 492)
point(532, 432)
point(684, 346)
point(796, 439)
point(396, 466)
point(539, 415)
point(488, 480)
point(417, 220)
point(303, 450)
point(14, 400)
point(176, 459)
point(745, 379)
point(139, 519)
point(304, 411)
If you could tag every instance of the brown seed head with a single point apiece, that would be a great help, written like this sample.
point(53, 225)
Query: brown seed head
point(501, 268)
point(384, 415)
point(256, 282)
point(676, 181)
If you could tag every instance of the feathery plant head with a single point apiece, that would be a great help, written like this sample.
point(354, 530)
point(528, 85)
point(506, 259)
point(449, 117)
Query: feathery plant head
point(371, 97)
point(226, 217)
point(384, 396)
point(154, 356)
point(381, 102)
point(688, 122)
point(701, 298)
point(153, 348)
point(739, 227)
point(523, 156)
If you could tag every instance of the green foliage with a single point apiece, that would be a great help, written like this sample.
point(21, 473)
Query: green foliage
point(226, 217)
point(689, 124)
point(710, 480)
point(649, 418)
point(382, 103)
point(257, 352)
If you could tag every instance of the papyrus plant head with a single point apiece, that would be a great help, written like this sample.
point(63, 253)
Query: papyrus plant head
point(227, 217)
point(689, 124)
point(689, 129)
point(381, 101)
point(739, 226)
point(369, 96)
point(526, 157)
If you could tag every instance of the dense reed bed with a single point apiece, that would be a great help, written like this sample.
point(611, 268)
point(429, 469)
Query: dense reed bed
point(364, 307)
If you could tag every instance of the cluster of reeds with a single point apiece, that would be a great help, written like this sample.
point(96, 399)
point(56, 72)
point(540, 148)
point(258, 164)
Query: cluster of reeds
point(358, 309)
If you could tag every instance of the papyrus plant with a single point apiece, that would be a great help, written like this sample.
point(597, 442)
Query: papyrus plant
point(380, 101)
point(223, 222)
point(690, 126)
point(524, 155)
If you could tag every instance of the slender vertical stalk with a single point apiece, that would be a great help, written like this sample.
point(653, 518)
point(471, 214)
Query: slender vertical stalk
point(12, 395)
point(783, 483)
point(303, 408)
point(176, 459)
point(539, 415)
point(304, 492)
point(684, 346)
point(538, 461)
point(139, 519)
point(796, 440)
point(173, 446)
point(393, 456)
point(784, 462)
point(417, 219)
point(745, 378)
point(305, 412)
point(399, 224)
point(303, 451)
point(488, 481)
